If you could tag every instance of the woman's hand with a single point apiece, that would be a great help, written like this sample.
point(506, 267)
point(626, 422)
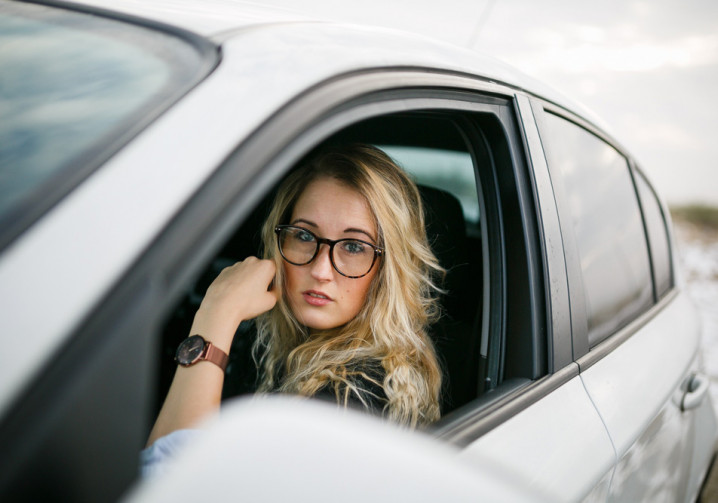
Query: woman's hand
point(240, 292)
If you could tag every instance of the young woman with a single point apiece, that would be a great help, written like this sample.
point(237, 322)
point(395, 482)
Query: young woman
point(342, 298)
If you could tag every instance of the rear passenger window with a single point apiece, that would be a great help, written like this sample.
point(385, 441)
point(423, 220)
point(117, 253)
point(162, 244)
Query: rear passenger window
point(606, 222)
point(657, 236)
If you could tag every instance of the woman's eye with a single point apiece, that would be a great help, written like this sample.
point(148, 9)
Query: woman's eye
point(354, 247)
point(304, 236)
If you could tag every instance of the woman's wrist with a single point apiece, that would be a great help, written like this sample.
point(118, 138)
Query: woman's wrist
point(216, 329)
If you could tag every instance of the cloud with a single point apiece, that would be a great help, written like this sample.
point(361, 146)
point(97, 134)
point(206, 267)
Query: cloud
point(585, 49)
point(648, 68)
point(668, 135)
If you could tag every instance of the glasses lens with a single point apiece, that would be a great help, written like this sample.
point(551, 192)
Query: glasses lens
point(298, 246)
point(352, 257)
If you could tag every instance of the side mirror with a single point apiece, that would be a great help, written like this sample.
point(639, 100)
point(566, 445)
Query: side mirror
point(293, 449)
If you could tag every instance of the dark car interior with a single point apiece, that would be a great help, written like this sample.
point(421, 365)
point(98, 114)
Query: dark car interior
point(455, 242)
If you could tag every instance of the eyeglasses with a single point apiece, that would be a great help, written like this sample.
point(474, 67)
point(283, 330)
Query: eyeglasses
point(352, 258)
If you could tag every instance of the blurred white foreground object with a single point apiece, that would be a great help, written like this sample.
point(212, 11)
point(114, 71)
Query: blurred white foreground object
point(280, 449)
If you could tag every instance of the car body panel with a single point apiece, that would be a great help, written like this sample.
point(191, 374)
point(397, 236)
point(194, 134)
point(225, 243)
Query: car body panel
point(208, 18)
point(265, 29)
point(170, 158)
point(241, 453)
point(701, 430)
point(638, 390)
point(540, 445)
point(595, 432)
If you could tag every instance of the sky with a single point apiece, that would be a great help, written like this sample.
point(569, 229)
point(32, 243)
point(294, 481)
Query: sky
point(649, 69)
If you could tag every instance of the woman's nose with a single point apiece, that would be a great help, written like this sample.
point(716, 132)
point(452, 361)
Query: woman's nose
point(322, 269)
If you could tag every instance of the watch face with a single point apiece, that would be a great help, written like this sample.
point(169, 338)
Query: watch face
point(190, 350)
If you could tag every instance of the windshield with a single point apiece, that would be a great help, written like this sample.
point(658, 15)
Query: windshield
point(73, 88)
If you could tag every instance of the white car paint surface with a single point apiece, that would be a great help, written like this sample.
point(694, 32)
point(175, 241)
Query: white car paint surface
point(613, 430)
point(638, 392)
point(274, 449)
point(170, 158)
point(541, 444)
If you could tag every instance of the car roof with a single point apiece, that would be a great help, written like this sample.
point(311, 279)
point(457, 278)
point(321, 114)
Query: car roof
point(223, 20)
point(208, 18)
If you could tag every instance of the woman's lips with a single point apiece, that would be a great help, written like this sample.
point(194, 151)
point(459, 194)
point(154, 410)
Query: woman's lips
point(315, 298)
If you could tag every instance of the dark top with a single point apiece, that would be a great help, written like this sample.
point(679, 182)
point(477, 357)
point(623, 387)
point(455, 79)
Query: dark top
point(242, 376)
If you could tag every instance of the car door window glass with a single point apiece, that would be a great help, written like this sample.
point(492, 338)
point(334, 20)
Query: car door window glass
point(606, 221)
point(71, 85)
point(657, 236)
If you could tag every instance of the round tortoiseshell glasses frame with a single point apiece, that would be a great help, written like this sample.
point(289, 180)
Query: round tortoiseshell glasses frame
point(378, 251)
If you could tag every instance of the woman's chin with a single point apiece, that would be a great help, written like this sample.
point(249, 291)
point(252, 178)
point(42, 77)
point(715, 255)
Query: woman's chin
point(317, 321)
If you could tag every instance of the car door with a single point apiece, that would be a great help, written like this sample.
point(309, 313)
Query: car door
point(514, 395)
point(636, 336)
point(76, 88)
point(542, 429)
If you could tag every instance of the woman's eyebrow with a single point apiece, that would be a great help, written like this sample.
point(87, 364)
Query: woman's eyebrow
point(305, 221)
point(353, 229)
point(349, 229)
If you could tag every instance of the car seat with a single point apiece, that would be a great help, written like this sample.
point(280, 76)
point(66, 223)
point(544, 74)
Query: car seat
point(455, 334)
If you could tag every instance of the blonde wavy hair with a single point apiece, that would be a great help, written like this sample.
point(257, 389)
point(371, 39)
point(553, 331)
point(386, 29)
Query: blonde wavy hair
point(391, 327)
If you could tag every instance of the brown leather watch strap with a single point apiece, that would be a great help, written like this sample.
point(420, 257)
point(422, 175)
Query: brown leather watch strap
point(215, 355)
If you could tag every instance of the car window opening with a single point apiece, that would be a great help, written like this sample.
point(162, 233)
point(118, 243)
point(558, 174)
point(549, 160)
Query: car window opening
point(441, 164)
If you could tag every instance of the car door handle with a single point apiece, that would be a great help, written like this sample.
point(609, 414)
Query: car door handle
point(696, 390)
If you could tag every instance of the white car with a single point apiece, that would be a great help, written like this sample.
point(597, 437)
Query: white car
point(139, 141)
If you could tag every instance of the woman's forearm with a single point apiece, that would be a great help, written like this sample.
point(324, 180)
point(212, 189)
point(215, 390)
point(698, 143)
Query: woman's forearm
point(240, 292)
point(196, 391)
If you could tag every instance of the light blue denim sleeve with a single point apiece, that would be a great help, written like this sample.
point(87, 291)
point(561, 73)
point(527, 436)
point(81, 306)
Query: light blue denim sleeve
point(153, 459)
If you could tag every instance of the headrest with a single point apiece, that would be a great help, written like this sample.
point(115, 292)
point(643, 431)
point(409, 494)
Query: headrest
point(446, 231)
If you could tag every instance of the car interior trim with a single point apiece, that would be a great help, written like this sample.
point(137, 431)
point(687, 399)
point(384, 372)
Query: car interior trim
point(493, 320)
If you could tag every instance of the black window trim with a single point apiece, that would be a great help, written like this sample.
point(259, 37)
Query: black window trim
point(560, 353)
point(644, 225)
point(665, 220)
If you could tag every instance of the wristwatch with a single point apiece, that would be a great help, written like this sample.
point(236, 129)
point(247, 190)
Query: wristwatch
point(195, 349)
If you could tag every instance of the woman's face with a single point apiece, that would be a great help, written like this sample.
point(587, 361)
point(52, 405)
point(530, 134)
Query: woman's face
point(318, 295)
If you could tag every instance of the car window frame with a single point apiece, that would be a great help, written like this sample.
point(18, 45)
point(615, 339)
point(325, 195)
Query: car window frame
point(584, 355)
point(314, 119)
point(637, 173)
point(143, 296)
